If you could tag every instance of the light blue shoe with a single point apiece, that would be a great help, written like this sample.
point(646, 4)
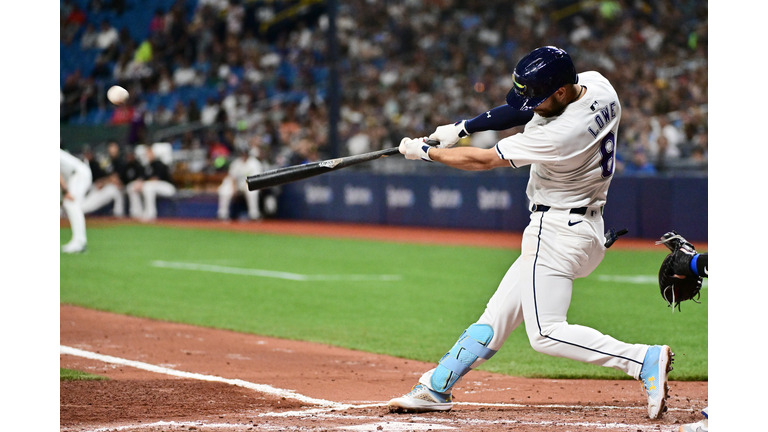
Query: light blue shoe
point(421, 399)
point(656, 366)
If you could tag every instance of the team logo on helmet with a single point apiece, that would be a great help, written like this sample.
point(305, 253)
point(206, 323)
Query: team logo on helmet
point(519, 88)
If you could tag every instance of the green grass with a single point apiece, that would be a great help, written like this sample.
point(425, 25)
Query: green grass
point(443, 290)
point(73, 375)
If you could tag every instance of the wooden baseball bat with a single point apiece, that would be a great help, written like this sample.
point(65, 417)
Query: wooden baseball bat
point(300, 172)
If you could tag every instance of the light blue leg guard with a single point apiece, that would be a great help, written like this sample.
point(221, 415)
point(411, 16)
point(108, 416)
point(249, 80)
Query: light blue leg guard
point(456, 362)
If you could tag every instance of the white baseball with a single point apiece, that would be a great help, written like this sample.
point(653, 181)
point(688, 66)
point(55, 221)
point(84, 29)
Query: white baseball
point(117, 95)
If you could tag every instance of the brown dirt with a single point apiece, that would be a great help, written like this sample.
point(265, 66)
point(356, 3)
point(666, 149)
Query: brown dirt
point(332, 388)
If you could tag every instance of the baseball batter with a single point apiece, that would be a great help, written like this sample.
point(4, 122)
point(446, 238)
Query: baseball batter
point(569, 142)
point(75, 179)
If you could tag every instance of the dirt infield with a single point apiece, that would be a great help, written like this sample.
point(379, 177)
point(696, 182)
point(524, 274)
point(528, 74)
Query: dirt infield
point(174, 377)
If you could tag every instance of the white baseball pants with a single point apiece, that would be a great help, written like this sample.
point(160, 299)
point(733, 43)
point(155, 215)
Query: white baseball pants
point(142, 197)
point(77, 186)
point(227, 190)
point(98, 198)
point(557, 248)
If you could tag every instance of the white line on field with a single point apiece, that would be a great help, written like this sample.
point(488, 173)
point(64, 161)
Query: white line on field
point(327, 408)
point(413, 424)
point(288, 394)
point(273, 274)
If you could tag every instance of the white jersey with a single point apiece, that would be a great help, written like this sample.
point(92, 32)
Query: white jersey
point(239, 169)
point(71, 165)
point(572, 155)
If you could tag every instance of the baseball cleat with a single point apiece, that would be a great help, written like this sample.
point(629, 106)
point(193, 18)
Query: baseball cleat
point(656, 367)
point(699, 426)
point(74, 248)
point(421, 399)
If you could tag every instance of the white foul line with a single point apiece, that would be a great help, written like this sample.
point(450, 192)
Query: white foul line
point(272, 274)
point(327, 407)
point(288, 394)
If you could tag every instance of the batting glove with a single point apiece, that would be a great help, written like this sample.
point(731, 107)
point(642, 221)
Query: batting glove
point(449, 135)
point(415, 149)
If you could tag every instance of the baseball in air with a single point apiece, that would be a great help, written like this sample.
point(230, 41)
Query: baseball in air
point(117, 95)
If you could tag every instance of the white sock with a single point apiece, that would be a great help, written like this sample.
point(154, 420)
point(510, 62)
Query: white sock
point(76, 220)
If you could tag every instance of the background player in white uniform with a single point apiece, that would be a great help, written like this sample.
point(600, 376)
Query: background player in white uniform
point(569, 144)
point(107, 188)
point(75, 179)
point(143, 192)
point(241, 167)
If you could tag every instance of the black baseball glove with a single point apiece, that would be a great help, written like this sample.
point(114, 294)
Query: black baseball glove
point(677, 282)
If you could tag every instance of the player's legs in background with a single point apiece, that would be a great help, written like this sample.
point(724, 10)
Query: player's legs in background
point(119, 198)
point(252, 201)
point(226, 191)
point(77, 186)
point(98, 198)
point(135, 206)
point(151, 190)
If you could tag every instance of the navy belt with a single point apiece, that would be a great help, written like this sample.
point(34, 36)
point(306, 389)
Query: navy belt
point(542, 208)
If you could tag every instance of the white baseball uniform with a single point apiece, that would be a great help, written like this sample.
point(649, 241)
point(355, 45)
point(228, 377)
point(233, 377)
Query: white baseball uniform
point(572, 159)
point(77, 176)
point(239, 169)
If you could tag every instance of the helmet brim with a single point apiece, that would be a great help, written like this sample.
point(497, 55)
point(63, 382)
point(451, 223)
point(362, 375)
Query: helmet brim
point(523, 103)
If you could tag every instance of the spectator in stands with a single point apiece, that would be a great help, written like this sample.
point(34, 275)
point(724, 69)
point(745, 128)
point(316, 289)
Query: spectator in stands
point(164, 81)
point(155, 181)
point(413, 64)
point(162, 116)
point(185, 74)
point(180, 115)
point(137, 127)
point(72, 19)
point(193, 111)
point(210, 112)
point(244, 165)
point(157, 24)
point(107, 36)
point(639, 164)
point(89, 37)
point(123, 114)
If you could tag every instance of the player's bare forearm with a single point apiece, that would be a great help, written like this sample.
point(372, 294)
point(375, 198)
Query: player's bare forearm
point(468, 158)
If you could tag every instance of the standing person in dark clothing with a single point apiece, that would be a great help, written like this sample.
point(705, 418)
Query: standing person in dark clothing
point(130, 169)
point(106, 187)
point(155, 181)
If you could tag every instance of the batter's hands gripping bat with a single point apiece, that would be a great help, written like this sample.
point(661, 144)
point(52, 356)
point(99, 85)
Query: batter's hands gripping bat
point(300, 172)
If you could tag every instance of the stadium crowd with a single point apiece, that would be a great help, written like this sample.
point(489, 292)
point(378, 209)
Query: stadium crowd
point(405, 67)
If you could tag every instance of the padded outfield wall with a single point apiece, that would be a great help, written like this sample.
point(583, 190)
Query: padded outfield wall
point(647, 206)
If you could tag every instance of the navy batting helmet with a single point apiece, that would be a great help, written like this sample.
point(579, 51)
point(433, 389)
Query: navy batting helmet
point(538, 75)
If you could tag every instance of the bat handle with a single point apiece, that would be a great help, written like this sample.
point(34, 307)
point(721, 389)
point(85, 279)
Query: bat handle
point(431, 142)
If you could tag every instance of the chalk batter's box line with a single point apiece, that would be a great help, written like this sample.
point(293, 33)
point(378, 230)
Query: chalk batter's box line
point(326, 406)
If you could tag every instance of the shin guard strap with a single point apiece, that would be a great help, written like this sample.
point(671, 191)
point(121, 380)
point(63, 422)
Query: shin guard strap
point(454, 366)
point(477, 348)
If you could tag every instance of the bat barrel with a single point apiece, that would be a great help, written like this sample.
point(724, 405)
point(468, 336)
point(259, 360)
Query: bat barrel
point(299, 172)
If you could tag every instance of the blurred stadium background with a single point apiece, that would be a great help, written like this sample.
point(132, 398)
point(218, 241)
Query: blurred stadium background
point(304, 80)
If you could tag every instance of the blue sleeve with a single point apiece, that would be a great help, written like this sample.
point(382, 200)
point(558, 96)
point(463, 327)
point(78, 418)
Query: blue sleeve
point(500, 118)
